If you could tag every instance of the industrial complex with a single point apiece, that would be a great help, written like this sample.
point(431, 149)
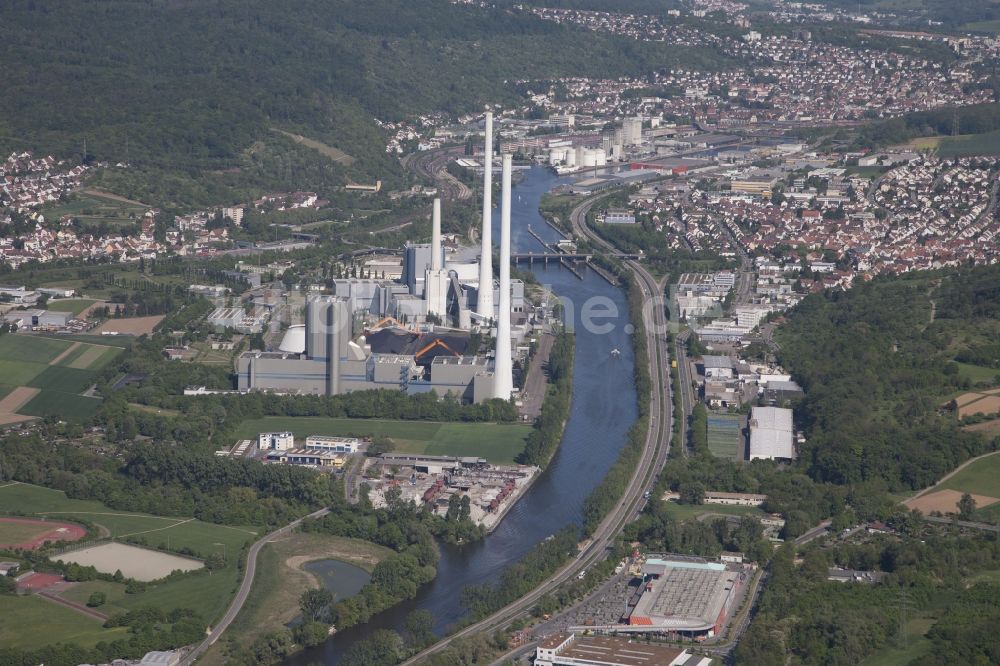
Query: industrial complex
point(334, 352)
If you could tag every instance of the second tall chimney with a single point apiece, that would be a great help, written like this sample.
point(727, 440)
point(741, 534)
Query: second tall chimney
point(484, 302)
point(503, 382)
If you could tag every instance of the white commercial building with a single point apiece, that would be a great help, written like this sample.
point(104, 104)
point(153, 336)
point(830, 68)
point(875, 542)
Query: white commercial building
point(333, 444)
point(279, 441)
point(771, 434)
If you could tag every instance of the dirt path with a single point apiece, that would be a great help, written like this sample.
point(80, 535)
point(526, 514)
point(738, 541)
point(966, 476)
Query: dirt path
point(113, 197)
point(14, 401)
point(67, 352)
point(79, 608)
point(953, 473)
point(157, 529)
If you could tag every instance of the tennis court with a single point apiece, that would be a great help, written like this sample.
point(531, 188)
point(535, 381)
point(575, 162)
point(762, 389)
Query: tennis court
point(725, 436)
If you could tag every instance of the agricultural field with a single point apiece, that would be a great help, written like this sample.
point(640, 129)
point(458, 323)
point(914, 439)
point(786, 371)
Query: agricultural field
point(980, 478)
point(31, 349)
point(50, 375)
point(498, 443)
point(130, 325)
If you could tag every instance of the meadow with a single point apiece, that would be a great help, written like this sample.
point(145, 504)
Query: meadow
point(21, 617)
point(498, 443)
point(74, 305)
point(687, 511)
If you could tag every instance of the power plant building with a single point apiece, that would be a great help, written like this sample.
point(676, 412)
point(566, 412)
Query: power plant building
point(327, 357)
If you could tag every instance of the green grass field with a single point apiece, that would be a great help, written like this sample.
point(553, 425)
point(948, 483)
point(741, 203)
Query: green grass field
point(30, 622)
point(498, 443)
point(983, 26)
point(63, 379)
point(106, 340)
point(30, 349)
point(68, 407)
point(917, 646)
point(74, 305)
point(94, 209)
point(19, 373)
point(980, 478)
point(977, 144)
point(687, 511)
point(977, 373)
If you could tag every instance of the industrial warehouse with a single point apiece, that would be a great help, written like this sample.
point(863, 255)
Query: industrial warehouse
point(577, 650)
point(326, 357)
point(679, 597)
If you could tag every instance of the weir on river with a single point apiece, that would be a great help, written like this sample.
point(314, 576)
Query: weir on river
point(604, 407)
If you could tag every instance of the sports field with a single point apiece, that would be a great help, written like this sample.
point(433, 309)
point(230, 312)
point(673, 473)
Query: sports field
point(74, 305)
point(138, 563)
point(209, 593)
point(31, 534)
point(725, 439)
point(498, 443)
point(57, 372)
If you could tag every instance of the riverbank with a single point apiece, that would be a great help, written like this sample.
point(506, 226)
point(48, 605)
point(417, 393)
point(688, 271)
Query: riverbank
point(281, 579)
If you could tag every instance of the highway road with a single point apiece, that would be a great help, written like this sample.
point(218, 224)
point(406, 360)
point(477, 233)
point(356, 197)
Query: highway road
point(654, 456)
point(241, 595)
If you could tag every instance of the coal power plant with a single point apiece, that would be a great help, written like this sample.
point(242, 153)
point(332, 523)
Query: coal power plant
point(420, 341)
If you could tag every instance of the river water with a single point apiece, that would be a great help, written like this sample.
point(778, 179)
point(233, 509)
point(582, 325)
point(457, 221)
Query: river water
point(603, 408)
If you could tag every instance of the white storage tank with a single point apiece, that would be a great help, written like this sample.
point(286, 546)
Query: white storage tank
point(294, 341)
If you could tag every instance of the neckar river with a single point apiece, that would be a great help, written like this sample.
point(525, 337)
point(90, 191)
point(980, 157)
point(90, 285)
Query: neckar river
point(604, 406)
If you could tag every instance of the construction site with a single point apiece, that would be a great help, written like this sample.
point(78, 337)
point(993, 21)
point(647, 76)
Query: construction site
point(438, 481)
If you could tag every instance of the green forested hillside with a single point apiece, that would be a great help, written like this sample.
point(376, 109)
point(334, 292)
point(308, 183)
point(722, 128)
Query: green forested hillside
point(191, 89)
point(877, 365)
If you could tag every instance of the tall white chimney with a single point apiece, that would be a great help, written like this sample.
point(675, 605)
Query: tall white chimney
point(435, 278)
point(503, 378)
point(484, 303)
point(436, 236)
